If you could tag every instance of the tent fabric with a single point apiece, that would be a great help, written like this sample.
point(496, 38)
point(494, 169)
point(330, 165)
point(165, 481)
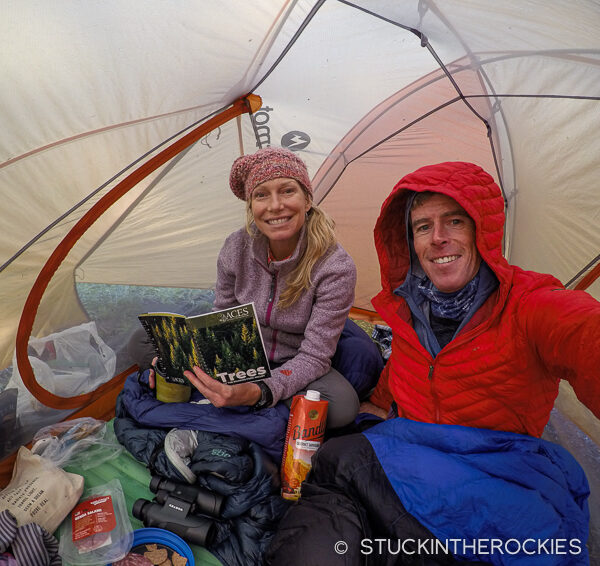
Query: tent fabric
point(364, 90)
point(109, 85)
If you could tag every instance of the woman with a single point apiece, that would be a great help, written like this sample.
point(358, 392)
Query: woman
point(287, 261)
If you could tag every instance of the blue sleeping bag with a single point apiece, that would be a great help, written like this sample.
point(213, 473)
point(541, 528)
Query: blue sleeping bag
point(265, 427)
point(474, 486)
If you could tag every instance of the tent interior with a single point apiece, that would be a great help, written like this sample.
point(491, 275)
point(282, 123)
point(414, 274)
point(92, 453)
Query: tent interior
point(121, 121)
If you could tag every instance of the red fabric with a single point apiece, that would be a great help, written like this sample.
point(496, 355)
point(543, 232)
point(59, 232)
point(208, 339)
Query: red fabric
point(381, 395)
point(502, 372)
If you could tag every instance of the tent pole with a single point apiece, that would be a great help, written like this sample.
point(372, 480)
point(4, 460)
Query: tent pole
point(247, 104)
point(588, 279)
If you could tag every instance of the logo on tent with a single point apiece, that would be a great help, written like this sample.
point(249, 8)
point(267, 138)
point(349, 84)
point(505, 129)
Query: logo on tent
point(295, 140)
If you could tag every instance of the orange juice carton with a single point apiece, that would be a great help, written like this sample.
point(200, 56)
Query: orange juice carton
point(305, 430)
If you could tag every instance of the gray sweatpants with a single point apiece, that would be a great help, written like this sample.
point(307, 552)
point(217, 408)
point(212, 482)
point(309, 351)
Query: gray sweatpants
point(342, 397)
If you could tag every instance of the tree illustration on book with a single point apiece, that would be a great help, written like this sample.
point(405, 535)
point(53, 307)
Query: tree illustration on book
point(226, 344)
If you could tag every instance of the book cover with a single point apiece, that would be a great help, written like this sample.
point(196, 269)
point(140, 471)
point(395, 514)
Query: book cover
point(226, 344)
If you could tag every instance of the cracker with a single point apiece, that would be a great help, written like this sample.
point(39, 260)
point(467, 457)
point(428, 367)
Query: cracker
point(157, 556)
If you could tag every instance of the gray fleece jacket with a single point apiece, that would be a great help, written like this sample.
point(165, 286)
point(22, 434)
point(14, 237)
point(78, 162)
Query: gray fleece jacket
point(302, 337)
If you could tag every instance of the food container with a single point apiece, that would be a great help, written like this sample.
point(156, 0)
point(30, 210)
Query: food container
point(155, 544)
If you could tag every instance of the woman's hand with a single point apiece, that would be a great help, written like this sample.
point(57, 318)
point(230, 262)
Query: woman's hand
point(152, 374)
point(221, 395)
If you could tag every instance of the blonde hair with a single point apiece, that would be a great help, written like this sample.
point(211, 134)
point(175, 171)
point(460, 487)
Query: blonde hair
point(320, 236)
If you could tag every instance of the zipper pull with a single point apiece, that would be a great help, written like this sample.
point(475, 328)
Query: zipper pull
point(434, 396)
point(272, 290)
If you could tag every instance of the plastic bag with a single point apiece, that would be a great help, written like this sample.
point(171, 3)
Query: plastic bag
point(84, 442)
point(98, 530)
point(67, 363)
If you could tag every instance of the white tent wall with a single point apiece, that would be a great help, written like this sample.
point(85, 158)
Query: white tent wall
point(94, 88)
point(172, 219)
point(59, 178)
point(302, 93)
point(97, 88)
point(556, 218)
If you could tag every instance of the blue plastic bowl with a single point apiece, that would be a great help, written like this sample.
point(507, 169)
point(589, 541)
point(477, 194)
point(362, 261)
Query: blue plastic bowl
point(153, 535)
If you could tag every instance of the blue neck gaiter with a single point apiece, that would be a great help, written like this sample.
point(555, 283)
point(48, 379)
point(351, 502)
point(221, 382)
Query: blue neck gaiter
point(450, 305)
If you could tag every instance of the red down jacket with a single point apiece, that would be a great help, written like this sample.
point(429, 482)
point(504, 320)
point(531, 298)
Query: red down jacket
point(503, 368)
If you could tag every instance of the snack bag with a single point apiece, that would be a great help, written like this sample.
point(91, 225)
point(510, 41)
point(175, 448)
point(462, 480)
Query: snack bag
point(98, 529)
point(306, 427)
point(83, 442)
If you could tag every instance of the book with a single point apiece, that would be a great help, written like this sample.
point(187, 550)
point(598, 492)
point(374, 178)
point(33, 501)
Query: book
point(227, 344)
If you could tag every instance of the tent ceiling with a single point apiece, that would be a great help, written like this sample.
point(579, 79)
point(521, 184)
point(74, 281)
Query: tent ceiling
point(94, 87)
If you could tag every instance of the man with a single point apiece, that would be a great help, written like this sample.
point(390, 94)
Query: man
point(478, 349)
point(476, 341)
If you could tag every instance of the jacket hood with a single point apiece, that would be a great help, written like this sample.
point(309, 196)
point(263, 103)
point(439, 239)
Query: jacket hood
point(470, 186)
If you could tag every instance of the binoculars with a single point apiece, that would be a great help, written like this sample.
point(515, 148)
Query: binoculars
point(186, 510)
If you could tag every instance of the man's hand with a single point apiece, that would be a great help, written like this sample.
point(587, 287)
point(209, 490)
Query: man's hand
point(368, 407)
point(221, 395)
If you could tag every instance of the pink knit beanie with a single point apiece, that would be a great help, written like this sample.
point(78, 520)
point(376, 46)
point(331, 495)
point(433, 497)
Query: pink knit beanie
point(269, 163)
